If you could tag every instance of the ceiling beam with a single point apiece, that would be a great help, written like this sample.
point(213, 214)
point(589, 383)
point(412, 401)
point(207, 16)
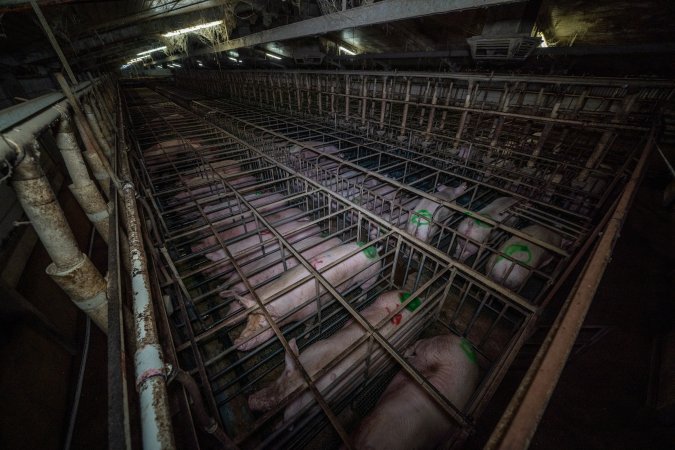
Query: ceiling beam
point(153, 14)
point(373, 14)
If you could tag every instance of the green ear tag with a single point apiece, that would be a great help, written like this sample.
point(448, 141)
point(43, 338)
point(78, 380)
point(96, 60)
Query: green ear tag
point(413, 305)
point(324, 234)
point(467, 348)
point(258, 192)
point(421, 217)
point(370, 252)
point(517, 248)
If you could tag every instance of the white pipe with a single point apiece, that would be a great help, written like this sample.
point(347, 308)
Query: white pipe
point(149, 362)
point(83, 188)
point(71, 269)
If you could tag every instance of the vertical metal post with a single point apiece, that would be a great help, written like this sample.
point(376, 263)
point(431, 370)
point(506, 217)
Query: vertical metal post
point(405, 109)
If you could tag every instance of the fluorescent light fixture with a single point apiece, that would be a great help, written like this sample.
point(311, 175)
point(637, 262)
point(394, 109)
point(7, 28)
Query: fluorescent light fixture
point(231, 58)
point(193, 28)
point(273, 56)
point(346, 50)
point(543, 43)
point(152, 50)
point(200, 64)
point(177, 65)
point(135, 60)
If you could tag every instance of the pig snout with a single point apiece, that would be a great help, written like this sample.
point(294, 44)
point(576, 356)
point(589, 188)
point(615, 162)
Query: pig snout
point(257, 331)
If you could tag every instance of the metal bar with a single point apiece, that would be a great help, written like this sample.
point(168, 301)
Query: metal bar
point(373, 14)
point(119, 436)
point(521, 419)
point(54, 42)
point(156, 425)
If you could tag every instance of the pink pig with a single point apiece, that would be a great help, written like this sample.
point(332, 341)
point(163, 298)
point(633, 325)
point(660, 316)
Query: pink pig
point(480, 231)
point(360, 269)
point(428, 214)
point(406, 417)
point(322, 353)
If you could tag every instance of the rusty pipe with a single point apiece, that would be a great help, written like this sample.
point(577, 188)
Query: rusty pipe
point(83, 188)
point(71, 269)
point(208, 423)
point(96, 128)
point(150, 370)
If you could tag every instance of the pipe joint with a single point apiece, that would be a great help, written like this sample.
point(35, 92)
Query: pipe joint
point(85, 286)
point(149, 364)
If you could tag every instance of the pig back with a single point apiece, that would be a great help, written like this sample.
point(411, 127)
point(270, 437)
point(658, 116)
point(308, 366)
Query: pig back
point(406, 417)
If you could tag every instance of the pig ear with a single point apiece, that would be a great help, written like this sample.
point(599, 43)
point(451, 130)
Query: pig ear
point(290, 364)
point(441, 188)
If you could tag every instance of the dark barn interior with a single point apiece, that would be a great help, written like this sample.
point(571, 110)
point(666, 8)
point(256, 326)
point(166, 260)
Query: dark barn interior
point(368, 224)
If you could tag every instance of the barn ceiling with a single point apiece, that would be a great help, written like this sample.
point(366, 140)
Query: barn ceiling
point(103, 35)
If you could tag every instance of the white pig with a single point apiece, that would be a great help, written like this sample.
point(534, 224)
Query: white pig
point(254, 246)
point(231, 210)
point(359, 269)
point(479, 231)
point(247, 226)
point(423, 221)
point(308, 248)
point(513, 275)
point(322, 353)
point(406, 417)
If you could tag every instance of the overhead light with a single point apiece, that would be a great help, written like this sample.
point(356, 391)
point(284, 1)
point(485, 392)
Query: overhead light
point(200, 64)
point(193, 28)
point(235, 54)
point(346, 50)
point(152, 50)
point(273, 56)
point(135, 60)
point(233, 59)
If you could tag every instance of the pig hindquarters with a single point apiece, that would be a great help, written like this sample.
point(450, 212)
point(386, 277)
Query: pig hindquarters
point(359, 269)
point(428, 213)
point(322, 353)
point(513, 275)
point(480, 231)
point(406, 417)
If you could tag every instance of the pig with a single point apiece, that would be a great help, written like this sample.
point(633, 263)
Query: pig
point(321, 354)
point(166, 150)
point(424, 219)
point(360, 269)
point(479, 231)
point(406, 417)
point(254, 246)
point(230, 211)
point(297, 152)
point(513, 275)
point(247, 226)
point(308, 248)
point(210, 183)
